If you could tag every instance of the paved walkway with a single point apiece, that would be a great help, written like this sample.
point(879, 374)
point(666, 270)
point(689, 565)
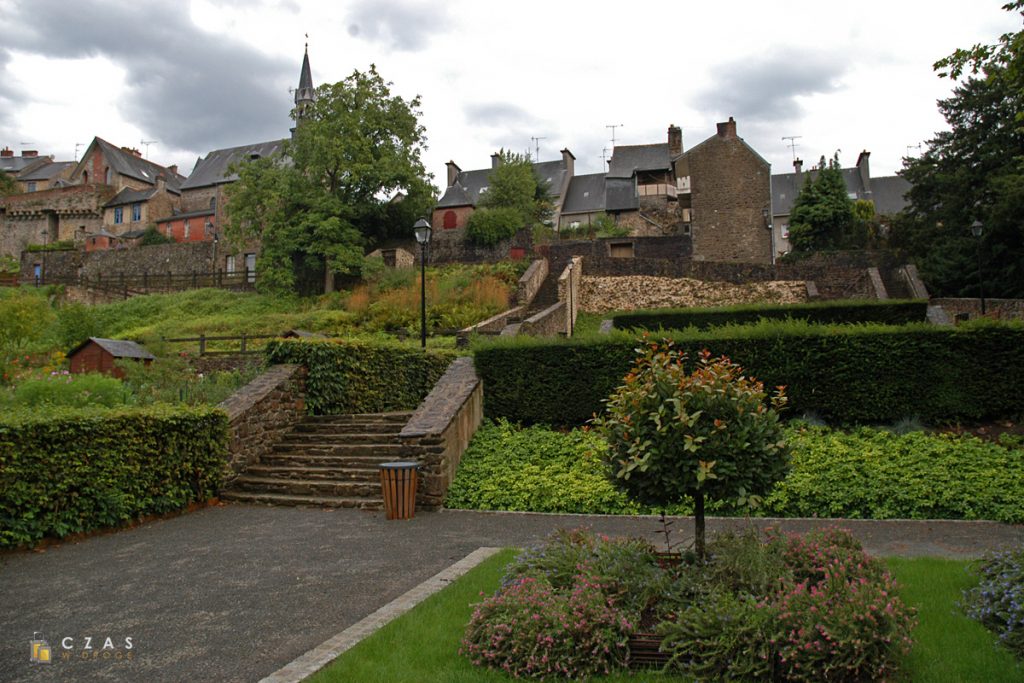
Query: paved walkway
point(233, 593)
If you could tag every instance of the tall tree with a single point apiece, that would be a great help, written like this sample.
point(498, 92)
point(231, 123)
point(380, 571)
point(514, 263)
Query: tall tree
point(512, 201)
point(822, 215)
point(352, 175)
point(972, 172)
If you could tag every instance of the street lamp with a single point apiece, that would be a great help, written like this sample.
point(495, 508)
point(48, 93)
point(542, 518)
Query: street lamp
point(976, 231)
point(422, 231)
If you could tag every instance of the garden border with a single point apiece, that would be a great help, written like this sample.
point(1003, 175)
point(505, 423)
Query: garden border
point(320, 656)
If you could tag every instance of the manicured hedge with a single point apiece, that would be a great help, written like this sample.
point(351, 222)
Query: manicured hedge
point(65, 470)
point(360, 377)
point(893, 312)
point(847, 374)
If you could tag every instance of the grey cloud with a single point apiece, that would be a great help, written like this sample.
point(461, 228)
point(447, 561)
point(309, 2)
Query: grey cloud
point(765, 90)
point(405, 25)
point(188, 89)
point(495, 114)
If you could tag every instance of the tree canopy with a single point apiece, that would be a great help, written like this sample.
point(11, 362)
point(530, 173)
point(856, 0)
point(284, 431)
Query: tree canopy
point(7, 185)
point(823, 213)
point(515, 198)
point(972, 172)
point(351, 176)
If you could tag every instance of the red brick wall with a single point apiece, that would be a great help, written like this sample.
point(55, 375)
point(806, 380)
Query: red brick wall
point(462, 214)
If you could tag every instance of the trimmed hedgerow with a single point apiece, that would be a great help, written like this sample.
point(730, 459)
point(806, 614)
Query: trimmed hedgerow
point(846, 374)
point(65, 470)
point(358, 377)
point(890, 312)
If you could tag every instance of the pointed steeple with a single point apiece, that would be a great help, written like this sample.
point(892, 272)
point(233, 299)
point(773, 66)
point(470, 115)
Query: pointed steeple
point(305, 95)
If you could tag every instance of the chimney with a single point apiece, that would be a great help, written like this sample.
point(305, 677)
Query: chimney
point(6, 152)
point(864, 169)
point(727, 129)
point(675, 141)
point(453, 172)
point(173, 168)
point(495, 160)
point(798, 165)
point(569, 161)
point(132, 151)
point(161, 183)
point(29, 153)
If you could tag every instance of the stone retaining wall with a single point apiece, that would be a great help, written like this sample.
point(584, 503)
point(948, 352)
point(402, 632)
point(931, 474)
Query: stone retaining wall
point(548, 323)
point(439, 432)
point(1005, 309)
point(262, 411)
point(530, 282)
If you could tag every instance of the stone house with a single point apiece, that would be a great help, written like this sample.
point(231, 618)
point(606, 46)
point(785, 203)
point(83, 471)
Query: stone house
point(132, 210)
point(887, 193)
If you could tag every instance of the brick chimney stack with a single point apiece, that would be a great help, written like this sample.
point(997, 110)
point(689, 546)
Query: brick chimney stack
point(727, 129)
point(675, 141)
point(29, 153)
point(6, 152)
point(173, 168)
point(453, 172)
point(495, 160)
point(569, 161)
point(798, 165)
point(864, 170)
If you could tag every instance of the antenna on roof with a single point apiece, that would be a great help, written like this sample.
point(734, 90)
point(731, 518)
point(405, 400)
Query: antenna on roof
point(536, 142)
point(147, 143)
point(604, 158)
point(792, 142)
point(917, 147)
point(77, 145)
point(613, 127)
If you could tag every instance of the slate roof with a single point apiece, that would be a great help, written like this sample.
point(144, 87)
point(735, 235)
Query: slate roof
point(17, 164)
point(130, 196)
point(187, 214)
point(889, 194)
point(44, 171)
point(117, 348)
point(132, 166)
point(132, 234)
point(213, 168)
point(620, 194)
point(586, 194)
point(628, 159)
point(468, 184)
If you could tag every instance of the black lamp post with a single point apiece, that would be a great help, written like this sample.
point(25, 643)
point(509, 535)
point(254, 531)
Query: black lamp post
point(422, 230)
point(976, 231)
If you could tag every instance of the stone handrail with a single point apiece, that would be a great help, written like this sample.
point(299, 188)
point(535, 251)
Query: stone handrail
point(440, 429)
point(531, 281)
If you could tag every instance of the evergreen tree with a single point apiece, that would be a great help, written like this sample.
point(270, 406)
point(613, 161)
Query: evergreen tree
point(822, 215)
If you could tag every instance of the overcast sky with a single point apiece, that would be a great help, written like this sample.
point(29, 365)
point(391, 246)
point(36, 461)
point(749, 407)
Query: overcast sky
point(216, 73)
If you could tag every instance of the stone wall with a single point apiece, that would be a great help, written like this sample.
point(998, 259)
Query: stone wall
point(440, 429)
point(548, 323)
point(569, 292)
point(262, 411)
point(530, 282)
point(1001, 309)
point(730, 189)
point(155, 260)
point(61, 213)
point(651, 255)
point(450, 246)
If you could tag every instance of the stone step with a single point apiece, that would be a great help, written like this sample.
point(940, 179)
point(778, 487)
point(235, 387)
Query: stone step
point(355, 450)
point(310, 501)
point(306, 487)
point(511, 330)
point(336, 461)
point(384, 428)
point(362, 474)
point(355, 439)
point(395, 417)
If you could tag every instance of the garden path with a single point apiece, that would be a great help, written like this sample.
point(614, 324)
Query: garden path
point(233, 593)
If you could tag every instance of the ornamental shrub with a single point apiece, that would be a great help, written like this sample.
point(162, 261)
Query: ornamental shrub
point(704, 434)
point(997, 602)
point(61, 388)
point(65, 470)
point(359, 377)
point(530, 629)
point(487, 227)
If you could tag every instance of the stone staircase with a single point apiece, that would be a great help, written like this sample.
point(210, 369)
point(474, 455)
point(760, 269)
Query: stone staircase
point(547, 295)
point(327, 461)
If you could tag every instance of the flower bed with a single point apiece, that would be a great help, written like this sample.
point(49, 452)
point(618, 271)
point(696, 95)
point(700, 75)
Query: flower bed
point(790, 608)
point(998, 600)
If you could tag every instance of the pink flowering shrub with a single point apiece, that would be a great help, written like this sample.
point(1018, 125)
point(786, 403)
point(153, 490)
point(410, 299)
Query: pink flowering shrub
point(531, 629)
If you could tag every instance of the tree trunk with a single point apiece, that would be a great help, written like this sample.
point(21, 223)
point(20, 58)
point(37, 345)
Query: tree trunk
point(328, 278)
point(698, 524)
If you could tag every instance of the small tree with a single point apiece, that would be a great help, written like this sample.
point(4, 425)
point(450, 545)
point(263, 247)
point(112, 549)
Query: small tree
point(822, 215)
point(711, 434)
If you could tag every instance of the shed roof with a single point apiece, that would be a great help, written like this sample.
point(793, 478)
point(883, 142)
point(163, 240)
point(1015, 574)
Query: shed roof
point(117, 348)
point(586, 194)
point(628, 159)
point(44, 171)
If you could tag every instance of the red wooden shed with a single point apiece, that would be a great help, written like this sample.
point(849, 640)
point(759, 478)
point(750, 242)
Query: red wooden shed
point(98, 355)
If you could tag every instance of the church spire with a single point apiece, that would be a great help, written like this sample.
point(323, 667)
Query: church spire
point(304, 94)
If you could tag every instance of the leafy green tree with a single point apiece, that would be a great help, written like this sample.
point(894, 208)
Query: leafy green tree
point(822, 215)
point(488, 227)
point(152, 236)
point(352, 175)
point(515, 198)
point(972, 172)
point(706, 434)
point(7, 185)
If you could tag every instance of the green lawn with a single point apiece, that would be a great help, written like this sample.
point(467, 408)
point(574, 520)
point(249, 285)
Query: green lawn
point(423, 644)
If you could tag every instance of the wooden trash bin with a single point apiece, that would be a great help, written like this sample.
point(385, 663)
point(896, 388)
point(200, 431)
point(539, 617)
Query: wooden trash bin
point(398, 483)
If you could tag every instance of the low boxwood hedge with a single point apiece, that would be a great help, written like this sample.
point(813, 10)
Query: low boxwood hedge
point(891, 312)
point(362, 377)
point(68, 470)
point(843, 373)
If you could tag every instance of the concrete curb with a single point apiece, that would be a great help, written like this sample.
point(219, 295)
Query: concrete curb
point(308, 664)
